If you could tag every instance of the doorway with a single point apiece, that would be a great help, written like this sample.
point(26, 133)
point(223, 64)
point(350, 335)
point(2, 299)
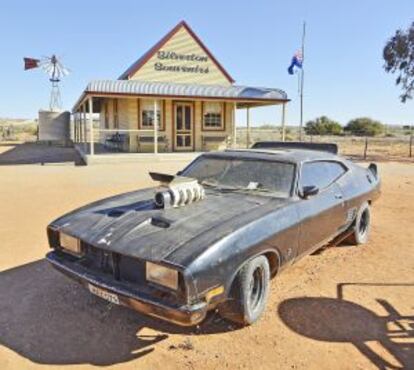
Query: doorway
point(184, 127)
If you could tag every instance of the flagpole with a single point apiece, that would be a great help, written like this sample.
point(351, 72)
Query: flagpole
point(302, 81)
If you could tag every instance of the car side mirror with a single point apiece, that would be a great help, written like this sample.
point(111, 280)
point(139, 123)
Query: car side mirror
point(309, 191)
point(179, 173)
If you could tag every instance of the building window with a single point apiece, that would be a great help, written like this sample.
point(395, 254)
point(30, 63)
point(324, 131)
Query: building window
point(116, 118)
point(147, 115)
point(213, 116)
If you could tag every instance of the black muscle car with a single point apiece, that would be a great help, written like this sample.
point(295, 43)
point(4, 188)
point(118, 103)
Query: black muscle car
point(212, 236)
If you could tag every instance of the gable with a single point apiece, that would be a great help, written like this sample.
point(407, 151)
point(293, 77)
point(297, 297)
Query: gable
point(179, 57)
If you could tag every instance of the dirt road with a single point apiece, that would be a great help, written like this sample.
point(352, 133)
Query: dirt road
point(345, 308)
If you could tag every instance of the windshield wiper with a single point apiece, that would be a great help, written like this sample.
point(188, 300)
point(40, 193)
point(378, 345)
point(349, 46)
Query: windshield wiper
point(262, 190)
point(219, 187)
point(225, 188)
point(209, 184)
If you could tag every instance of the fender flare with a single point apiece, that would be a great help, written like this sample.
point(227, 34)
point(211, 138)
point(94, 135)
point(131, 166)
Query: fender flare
point(265, 252)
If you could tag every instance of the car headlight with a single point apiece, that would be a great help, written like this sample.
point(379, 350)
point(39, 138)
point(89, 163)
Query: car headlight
point(161, 275)
point(70, 244)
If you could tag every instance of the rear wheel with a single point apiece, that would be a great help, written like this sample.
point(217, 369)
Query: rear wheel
point(249, 293)
point(362, 225)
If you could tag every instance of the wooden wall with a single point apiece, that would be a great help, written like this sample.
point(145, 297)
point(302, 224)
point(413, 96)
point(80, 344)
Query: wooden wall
point(182, 44)
point(128, 120)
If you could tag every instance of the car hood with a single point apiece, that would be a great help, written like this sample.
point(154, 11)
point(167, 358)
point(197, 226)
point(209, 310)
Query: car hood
point(129, 224)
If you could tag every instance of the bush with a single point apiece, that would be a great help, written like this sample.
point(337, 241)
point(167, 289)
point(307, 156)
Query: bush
point(364, 127)
point(323, 126)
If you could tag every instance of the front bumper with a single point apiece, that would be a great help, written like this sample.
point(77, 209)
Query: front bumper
point(188, 315)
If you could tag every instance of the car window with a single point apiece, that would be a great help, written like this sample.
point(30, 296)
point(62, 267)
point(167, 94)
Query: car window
point(321, 173)
point(276, 177)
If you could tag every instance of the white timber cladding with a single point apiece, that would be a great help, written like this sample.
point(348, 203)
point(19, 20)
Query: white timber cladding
point(182, 60)
point(213, 107)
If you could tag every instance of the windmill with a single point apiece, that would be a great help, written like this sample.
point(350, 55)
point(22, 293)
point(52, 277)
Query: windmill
point(55, 70)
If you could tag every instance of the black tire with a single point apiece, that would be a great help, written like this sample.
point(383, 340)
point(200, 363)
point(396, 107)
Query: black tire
point(362, 226)
point(249, 293)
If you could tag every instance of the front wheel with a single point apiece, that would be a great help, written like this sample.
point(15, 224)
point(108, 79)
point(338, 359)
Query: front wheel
point(249, 293)
point(362, 225)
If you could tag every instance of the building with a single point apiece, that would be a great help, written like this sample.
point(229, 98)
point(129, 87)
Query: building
point(176, 98)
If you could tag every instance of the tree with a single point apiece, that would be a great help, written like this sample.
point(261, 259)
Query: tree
point(364, 127)
point(323, 126)
point(398, 54)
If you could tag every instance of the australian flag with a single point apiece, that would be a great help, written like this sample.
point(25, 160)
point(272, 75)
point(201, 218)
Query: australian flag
point(296, 62)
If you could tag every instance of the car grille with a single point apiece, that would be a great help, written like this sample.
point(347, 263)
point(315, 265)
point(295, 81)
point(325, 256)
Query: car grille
point(122, 268)
point(119, 266)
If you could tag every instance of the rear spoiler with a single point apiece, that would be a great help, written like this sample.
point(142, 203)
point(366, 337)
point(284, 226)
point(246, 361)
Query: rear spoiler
point(322, 147)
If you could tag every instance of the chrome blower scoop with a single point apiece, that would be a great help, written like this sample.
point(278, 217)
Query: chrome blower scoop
point(176, 191)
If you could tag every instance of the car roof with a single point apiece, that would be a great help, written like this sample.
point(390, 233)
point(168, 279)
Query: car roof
point(279, 155)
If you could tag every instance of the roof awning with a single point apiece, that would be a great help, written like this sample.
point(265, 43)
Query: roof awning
point(243, 95)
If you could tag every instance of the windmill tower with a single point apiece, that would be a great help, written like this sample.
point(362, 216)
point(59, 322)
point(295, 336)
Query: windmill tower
point(54, 125)
point(55, 70)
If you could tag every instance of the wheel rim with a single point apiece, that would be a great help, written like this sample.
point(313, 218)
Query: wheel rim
point(364, 222)
point(256, 288)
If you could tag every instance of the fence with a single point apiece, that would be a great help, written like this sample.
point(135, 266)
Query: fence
point(381, 147)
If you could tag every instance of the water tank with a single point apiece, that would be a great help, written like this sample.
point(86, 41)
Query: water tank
point(54, 127)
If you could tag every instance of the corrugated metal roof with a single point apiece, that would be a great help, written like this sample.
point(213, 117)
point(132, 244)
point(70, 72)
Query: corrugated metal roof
point(135, 87)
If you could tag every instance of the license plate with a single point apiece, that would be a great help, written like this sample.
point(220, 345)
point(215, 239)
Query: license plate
point(110, 297)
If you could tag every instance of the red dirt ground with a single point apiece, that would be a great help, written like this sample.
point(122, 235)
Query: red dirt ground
point(345, 308)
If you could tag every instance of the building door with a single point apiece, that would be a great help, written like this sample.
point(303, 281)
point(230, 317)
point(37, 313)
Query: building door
point(183, 126)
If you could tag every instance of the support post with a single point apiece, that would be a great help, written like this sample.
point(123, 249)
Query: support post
point(90, 104)
point(248, 127)
point(283, 121)
point(82, 123)
point(234, 125)
point(155, 127)
point(411, 145)
point(75, 127)
point(85, 125)
point(78, 127)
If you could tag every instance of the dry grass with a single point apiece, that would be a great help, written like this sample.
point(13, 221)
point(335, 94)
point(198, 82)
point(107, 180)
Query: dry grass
point(379, 148)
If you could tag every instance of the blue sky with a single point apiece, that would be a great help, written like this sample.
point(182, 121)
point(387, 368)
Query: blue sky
point(254, 40)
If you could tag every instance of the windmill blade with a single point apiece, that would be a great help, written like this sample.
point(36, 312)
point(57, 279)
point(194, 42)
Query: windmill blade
point(45, 61)
point(53, 67)
point(48, 68)
point(45, 64)
point(65, 71)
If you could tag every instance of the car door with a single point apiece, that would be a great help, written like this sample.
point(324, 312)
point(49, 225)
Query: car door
point(323, 214)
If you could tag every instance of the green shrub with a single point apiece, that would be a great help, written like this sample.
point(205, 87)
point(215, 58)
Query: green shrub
point(323, 126)
point(364, 126)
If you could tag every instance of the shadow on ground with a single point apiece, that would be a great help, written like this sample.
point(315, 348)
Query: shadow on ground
point(34, 153)
point(49, 319)
point(341, 321)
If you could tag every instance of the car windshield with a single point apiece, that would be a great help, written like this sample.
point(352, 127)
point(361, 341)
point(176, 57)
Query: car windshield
point(243, 175)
